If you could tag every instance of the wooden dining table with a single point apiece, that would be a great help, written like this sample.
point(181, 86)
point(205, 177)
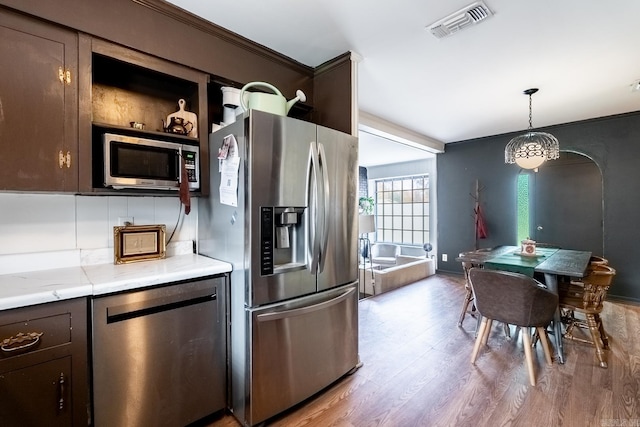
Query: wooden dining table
point(552, 263)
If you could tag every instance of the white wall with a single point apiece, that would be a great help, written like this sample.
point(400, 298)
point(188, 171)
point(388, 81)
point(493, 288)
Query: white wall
point(31, 223)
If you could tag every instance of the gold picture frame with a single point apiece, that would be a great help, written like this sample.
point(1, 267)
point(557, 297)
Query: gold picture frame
point(133, 243)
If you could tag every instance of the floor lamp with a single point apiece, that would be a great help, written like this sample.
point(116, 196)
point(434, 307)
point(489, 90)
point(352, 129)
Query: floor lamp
point(366, 225)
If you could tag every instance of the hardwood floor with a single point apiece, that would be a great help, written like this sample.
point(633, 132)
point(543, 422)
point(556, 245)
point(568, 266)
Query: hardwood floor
point(417, 371)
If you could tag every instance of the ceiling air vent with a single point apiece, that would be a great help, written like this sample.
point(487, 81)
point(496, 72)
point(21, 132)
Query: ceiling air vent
point(470, 15)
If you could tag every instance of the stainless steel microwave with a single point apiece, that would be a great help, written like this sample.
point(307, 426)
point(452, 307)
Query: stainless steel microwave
point(131, 162)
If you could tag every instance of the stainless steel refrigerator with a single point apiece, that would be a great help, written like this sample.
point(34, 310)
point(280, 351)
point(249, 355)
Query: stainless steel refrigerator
point(292, 241)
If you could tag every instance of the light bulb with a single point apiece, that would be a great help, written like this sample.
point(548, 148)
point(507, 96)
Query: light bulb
point(530, 162)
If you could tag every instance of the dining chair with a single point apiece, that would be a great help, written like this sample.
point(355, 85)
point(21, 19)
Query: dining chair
point(598, 260)
point(593, 261)
point(514, 299)
point(587, 297)
point(468, 296)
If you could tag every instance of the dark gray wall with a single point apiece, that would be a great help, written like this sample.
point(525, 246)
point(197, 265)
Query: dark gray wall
point(612, 142)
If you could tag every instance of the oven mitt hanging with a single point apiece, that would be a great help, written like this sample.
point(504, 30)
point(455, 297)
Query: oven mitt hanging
point(185, 197)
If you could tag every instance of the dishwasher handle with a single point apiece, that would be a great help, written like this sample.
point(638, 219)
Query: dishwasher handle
point(122, 312)
point(304, 310)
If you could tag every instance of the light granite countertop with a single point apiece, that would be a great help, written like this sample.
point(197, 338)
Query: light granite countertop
point(22, 289)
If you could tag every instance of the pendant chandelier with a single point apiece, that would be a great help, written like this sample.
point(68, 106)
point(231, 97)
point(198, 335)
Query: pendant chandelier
point(533, 148)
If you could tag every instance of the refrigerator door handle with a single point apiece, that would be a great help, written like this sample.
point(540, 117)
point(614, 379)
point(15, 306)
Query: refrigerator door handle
point(304, 310)
point(313, 243)
point(326, 199)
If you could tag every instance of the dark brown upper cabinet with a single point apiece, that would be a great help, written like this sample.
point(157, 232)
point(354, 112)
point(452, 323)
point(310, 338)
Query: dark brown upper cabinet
point(130, 62)
point(124, 86)
point(38, 106)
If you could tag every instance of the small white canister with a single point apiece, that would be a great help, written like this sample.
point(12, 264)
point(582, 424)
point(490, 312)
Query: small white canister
point(528, 247)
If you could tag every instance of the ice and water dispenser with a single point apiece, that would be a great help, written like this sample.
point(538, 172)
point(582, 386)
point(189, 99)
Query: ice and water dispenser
point(282, 236)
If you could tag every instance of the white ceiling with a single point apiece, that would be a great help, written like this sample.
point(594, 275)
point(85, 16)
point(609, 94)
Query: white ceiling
point(582, 54)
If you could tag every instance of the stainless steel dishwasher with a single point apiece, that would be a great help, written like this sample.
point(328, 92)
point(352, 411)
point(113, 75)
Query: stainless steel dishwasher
point(159, 355)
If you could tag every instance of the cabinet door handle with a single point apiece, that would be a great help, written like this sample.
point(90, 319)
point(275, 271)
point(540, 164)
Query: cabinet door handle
point(9, 344)
point(64, 159)
point(64, 76)
point(61, 392)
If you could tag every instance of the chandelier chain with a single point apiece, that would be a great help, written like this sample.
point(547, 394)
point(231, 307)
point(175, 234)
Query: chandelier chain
point(530, 114)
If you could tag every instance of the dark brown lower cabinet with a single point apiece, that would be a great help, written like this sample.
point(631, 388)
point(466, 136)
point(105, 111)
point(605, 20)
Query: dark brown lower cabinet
point(38, 395)
point(43, 381)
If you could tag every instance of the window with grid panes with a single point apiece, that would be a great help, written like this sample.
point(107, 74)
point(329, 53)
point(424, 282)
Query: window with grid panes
point(402, 210)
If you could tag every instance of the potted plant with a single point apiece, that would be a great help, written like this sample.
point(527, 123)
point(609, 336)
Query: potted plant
point(366, 205)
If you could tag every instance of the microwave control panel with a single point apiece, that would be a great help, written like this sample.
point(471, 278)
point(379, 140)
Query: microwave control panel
point(190, 161)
